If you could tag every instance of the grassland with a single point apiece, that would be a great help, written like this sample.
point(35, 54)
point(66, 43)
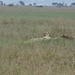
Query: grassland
point(47, 57)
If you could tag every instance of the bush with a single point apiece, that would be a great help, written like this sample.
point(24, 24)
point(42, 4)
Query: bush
point(10, 5)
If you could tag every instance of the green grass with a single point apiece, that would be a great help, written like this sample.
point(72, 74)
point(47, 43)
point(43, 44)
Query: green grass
point(45, 57)
point(34, 12)
point(37, 15)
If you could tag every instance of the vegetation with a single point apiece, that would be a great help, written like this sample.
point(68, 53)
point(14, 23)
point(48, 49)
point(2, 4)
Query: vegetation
point(46, 57)
point(22, 3)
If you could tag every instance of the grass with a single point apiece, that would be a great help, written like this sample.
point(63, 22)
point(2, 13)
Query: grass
point(35, 12)
point(38, 15)
point(46, 57)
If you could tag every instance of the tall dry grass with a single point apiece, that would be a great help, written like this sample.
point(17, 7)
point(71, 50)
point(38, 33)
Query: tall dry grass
point(46, 57)
point(29, 28)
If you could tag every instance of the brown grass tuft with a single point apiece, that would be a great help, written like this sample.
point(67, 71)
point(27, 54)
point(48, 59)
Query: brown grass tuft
point(67, 37)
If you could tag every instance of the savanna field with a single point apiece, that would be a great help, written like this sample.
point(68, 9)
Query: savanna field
point(47, 57)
